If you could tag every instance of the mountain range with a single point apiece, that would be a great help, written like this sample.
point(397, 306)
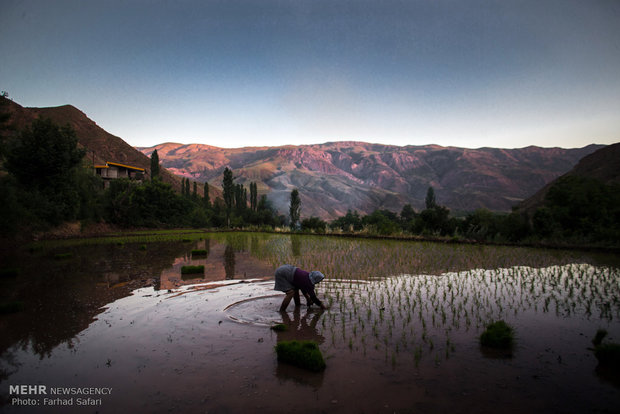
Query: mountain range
point(337, 176)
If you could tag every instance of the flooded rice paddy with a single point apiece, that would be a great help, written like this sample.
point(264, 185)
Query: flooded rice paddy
point(401, 334)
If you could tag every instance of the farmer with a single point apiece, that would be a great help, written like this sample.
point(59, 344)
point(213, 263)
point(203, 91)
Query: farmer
point(291, 279)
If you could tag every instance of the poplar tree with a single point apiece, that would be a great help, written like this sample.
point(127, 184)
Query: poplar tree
point(430, 199)
point(154, 165)
point(205, 198)
point(228, 188)
point(295, 208)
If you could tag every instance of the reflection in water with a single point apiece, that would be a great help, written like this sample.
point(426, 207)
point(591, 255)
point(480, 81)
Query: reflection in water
point(229, 262)
point(227, 258)
point(296, 245)
point(63, 297)
point(160, 345)
point(301, 328)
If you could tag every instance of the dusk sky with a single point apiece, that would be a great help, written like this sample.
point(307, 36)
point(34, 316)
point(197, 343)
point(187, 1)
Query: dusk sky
point(251, 73)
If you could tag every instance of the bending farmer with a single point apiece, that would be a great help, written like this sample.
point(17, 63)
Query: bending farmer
point(291, 280)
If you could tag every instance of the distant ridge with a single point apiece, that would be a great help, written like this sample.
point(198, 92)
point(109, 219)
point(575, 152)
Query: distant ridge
point(337, 176)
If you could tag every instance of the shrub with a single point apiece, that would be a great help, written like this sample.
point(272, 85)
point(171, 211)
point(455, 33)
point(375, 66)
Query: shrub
point(304, 354)
point(199, 252)
point(497, 335)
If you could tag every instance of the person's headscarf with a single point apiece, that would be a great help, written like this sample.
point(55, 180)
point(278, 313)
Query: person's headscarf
point(316, 277)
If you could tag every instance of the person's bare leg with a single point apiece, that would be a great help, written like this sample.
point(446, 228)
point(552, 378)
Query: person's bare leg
point(287, 299)
point(296, 298)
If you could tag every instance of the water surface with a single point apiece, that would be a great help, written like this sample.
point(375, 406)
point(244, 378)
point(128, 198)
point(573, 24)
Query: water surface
point(401, 334)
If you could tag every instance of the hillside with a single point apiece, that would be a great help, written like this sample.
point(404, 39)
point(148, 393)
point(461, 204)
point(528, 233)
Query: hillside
point(337, 176)
point(101, 146)
point(603, 165)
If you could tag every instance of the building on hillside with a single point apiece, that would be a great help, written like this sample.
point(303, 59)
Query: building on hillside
point(114, 170)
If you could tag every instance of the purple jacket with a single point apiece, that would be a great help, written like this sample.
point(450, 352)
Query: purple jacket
point(301, 280)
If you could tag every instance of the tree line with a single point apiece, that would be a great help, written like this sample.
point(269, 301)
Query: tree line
point(576, 210)
point(45, 181)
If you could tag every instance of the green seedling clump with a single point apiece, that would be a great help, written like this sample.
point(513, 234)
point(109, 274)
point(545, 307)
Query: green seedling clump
point(186, 270)
point(598, 338)
point(608, 354)
point(11, 307)
point(497, 335)
point(143, 247)
point(280, 327)
point(62, 256)
point(199, 252)
point(304, 354)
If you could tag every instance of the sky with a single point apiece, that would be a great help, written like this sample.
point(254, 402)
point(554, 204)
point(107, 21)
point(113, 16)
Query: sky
point(230, 73)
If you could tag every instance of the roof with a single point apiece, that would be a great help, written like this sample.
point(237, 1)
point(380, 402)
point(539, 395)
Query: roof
point(115, 164)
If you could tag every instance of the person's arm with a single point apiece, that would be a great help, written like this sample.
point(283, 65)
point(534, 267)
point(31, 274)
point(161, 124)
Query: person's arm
point(314, 299)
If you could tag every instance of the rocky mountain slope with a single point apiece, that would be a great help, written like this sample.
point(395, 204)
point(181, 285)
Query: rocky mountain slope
point(337, 176)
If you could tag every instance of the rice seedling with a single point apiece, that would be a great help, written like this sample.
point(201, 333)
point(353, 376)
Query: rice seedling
point(497, 335)
point(304, 354)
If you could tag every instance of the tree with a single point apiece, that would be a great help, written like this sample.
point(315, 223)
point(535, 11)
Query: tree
point(154, 165)
point(313, 224)
point(45, 162)
point(295, 208)
point(240, 198)
point(205, 198)
point(253, 196)
point(4, 122)
point(430, 198)
point(195, 191)
point(45, 154)
point(228, 187)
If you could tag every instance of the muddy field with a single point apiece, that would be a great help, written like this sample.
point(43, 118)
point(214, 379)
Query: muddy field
point(401, 335)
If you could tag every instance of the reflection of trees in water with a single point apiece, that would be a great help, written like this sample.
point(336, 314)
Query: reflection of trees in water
point(229, 262)
point(254, 245)
point(62, 298)
point(206, 245)
point(296, 245)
